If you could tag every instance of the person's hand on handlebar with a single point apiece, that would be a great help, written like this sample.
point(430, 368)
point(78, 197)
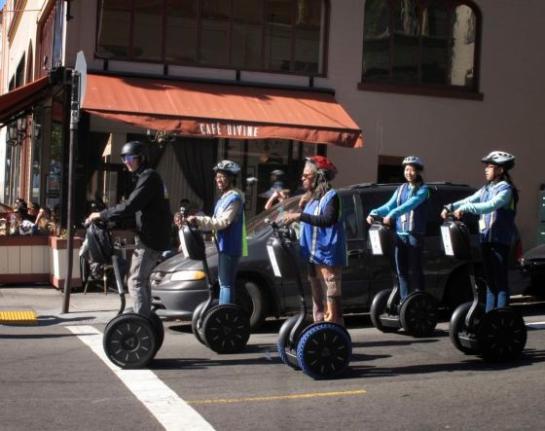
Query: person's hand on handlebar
point(92, 217)
point(458, 214)
point(444, 214)
point(387, 221)
point(370, 219)
point(291, 217)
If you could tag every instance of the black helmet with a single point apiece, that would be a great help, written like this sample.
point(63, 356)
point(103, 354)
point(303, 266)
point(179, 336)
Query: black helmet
point(133, 148)
point(228, 167)
point(500, 158)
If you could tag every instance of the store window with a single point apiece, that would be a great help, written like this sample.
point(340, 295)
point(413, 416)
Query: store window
point(411, 44)
point(259, 158)
point(271, 35)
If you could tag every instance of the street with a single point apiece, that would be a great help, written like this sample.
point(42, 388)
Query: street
point(53, 378)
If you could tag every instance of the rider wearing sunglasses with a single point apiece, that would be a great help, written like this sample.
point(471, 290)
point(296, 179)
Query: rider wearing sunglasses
point(148, 204)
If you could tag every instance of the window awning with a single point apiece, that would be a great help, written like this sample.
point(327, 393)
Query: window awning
point(22, 98)
point(218, 110)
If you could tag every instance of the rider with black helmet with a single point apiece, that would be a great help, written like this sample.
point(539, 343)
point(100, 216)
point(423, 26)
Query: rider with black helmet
point(407, 209)
point(228, 225)
point(496, 203)
point(149, 204)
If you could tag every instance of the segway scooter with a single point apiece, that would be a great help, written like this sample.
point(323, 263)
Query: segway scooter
point(224, 328)
point(321, 350)
point(130, 340)
point(499, 335)
point(417, 315)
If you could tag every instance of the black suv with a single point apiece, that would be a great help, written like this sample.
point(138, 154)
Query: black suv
point(179, 284)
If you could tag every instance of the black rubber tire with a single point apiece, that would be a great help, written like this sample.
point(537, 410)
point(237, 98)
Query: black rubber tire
point(194, 319)
point(157, 325)
point(419, 315)
point(457, 324)
point(129, 341)
point(324, 350)
point(378, 306)
point(501, 335)
point(226, 329)
point(282, 343)
point(252, 299)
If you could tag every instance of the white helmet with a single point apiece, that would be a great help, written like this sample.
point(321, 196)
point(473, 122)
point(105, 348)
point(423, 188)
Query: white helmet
point(413, 160)
point(500, 158)
point(228, 167)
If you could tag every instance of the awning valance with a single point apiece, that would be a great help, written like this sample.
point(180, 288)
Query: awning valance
point(22, 98)
point(217, 110)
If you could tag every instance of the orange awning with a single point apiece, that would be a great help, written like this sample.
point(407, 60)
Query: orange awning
point(21, 98)
point(218, 110)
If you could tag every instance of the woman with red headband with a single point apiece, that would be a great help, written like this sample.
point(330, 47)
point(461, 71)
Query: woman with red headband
point(323, 243)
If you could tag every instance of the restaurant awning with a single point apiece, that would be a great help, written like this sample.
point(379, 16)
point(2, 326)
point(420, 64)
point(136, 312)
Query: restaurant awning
point(22, 98)
point(220, 110)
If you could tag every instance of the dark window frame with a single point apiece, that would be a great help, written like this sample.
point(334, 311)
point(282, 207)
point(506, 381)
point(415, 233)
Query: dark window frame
point(421, 88)
point(322, 52)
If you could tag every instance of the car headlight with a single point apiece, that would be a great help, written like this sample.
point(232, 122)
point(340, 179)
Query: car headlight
point(188, 276)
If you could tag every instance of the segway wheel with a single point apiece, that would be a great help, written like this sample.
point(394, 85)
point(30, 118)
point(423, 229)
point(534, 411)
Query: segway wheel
point(457, 325)
point(226, 329)
point(324, 350)
point(418, 314)
point(130, 341)
point(159, 329)
point(195, 319)
point(501, 335)
point(283, 342)
point(378, 307)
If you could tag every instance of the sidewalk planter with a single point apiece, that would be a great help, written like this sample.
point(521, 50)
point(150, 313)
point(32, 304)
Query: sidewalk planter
point(24, 259)
point(57, 262)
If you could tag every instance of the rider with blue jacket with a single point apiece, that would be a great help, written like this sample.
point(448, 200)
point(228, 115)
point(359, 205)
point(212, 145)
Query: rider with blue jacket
point(322, 243)
point(228, 225)
point(407, 208)
point(496, 204)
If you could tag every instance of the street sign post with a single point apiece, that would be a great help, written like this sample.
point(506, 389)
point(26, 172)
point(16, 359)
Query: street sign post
point(78, 87)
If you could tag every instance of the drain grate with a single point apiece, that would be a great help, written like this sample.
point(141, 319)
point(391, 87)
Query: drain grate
point(18, 317)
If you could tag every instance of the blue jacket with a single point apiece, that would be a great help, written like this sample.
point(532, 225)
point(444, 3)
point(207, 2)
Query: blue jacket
point(323, 245)
point(230, 239)
point(495, 204)
point(408, 207)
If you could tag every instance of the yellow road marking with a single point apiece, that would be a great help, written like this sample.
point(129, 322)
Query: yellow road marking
point(21, 317)
point(281, 397)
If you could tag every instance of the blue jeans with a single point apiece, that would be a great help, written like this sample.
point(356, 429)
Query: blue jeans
point(408, 258)
point(495, 262)
point(227, 273)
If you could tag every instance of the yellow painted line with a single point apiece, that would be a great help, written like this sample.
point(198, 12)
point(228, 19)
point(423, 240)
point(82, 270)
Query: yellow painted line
point(18, 317)
point(281, 397)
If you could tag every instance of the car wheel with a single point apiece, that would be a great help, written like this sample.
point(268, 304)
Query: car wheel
point(251, 298)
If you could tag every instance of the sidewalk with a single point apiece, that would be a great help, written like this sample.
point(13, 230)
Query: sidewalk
point(47, 303)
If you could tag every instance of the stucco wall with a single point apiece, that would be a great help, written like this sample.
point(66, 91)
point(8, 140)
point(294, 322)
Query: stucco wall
point(451, 134)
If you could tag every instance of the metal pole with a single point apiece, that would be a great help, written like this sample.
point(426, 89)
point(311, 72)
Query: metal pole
point(74, 120)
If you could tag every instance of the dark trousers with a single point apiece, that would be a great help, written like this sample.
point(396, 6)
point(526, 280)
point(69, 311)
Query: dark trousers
point(408, 259)
point(495, 262)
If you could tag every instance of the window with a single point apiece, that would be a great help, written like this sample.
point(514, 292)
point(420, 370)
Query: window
point(269, 35)
point(412, 44)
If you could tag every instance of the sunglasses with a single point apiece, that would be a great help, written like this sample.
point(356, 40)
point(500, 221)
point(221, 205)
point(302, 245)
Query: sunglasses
point(129, 157)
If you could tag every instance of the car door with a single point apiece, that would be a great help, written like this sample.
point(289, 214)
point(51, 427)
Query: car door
point(355, 283)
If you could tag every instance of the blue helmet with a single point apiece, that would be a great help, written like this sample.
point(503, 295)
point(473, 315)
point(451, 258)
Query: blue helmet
point(228, 167)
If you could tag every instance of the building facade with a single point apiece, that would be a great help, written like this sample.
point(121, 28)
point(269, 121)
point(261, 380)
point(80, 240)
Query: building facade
point(446, 80)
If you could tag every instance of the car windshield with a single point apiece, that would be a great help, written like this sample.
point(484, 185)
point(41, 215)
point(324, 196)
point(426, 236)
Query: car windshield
point(257, 223)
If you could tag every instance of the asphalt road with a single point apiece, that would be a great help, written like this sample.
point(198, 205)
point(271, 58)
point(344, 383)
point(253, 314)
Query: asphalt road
point(51, 380)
